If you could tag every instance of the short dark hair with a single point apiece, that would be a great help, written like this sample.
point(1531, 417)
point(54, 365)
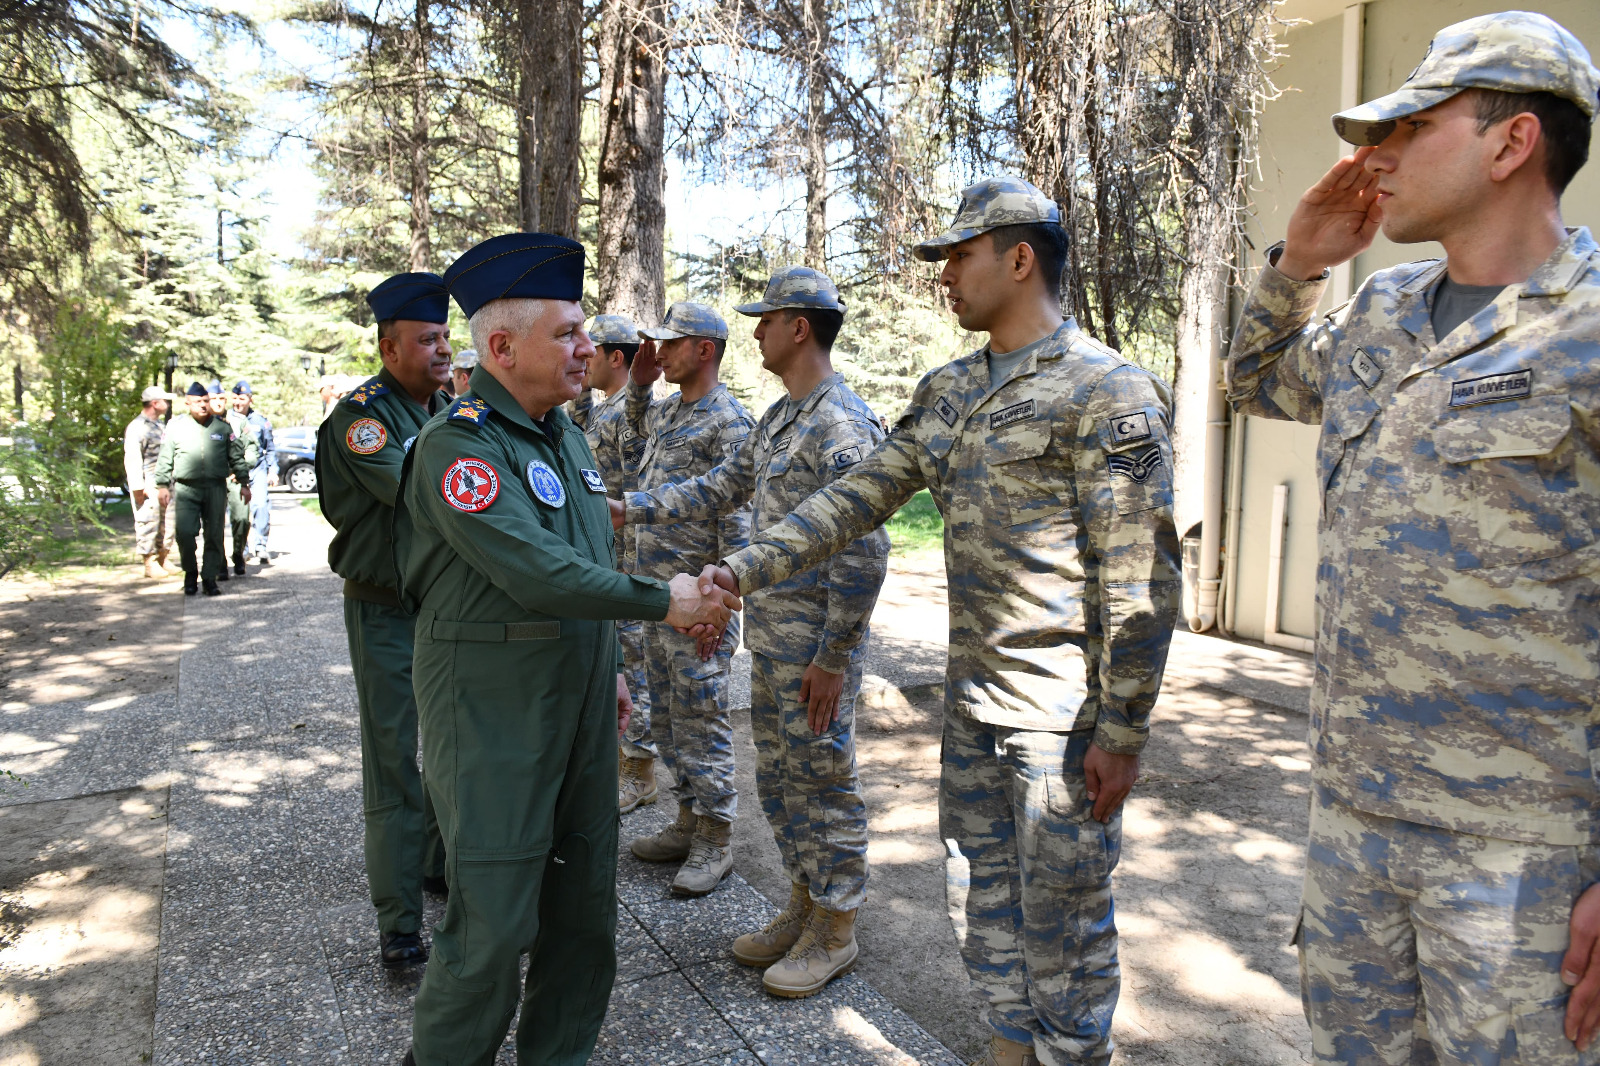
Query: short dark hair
point(1049, 243)
point(628, 352)
point(721, 344)
point(1565, 127)
point(826, 322)
point(385, 327)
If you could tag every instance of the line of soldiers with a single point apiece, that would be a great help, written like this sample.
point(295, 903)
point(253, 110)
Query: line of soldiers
point(1451, 911)
point(178, 474)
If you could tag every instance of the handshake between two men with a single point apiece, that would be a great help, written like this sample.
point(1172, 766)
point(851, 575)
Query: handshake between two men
point(702, 606)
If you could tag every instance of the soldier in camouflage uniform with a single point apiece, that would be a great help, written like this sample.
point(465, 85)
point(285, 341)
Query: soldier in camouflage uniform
point(807, 635)
point(141, 447)
point(686, 435)
point(1452, 856)
point(1048, 456)
point(460, 371)
point(619, 451)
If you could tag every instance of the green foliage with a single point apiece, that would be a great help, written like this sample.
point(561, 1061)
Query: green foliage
point(46, 501)
point(917, 528)
point(94, 381)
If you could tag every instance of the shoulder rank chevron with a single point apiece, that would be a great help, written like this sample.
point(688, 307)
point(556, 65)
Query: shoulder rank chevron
point(471, 410)
point(366, 392)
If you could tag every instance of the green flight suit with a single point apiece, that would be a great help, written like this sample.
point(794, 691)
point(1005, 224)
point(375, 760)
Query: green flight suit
point(504, 545)
point(196, 458)
point(360, 447)
point(238, 510)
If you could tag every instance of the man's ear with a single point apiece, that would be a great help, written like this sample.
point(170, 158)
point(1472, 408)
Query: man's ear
point(706, 350)
point(1023, 261)
point(1520, 138)
point(802, 329)
point(386, 349)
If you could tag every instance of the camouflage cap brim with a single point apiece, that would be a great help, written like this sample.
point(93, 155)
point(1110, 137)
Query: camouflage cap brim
point(661, 333)
point(937, 248)
point(1366, 125)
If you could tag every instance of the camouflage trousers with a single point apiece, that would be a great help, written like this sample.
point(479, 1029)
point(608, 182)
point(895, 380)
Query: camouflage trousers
point(808, 785)
point(638, 742)
point(689, 717)
point(155, 528)
point(1028, 884)
point(1423, 946)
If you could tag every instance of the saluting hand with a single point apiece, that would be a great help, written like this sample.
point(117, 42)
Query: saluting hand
point(644, 370)
point(1335, 220)
point(619, 513)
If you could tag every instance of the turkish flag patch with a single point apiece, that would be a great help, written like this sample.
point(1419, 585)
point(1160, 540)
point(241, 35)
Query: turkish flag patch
point(470, 485)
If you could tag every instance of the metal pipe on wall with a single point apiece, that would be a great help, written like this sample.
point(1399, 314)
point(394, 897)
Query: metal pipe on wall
point(1277, 532)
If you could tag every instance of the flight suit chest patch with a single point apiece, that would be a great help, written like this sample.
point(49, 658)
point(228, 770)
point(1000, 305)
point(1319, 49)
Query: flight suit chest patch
point(1517, 385)
point(546, 486)
point(946, 411)
point(1017, 412)
point(1366, 368)
point(593, 480)
point(1128, 428)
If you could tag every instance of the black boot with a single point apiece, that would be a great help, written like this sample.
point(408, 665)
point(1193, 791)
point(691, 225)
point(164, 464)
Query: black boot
point(238, 566)
point(190, 585)
point(211, 588)
point(400, 950)
point(409, 1060)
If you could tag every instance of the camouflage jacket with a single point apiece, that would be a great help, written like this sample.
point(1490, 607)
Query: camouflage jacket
point(683, 442)
point(618, 451)
point(141, 448)
point(818, 614)
point(1056, 489)
point(1457, 593)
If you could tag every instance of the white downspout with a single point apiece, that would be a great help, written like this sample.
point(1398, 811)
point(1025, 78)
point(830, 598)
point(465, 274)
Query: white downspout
point(1280, 524)
point(1210, 582)
point(1235, 489)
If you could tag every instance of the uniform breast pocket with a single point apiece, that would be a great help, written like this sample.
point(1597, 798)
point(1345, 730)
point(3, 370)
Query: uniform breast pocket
point(1026, 481)
point(1343, 426)
point(673, 460)
point(1514, 489)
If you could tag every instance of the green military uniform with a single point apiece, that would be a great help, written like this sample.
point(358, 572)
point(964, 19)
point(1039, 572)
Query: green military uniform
point(196, 458)
point(504, 544)
point(360, 448)
point(238, 510)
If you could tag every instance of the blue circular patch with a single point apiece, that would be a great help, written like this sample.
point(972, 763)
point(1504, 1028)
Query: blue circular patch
point(545, 484)
point(409, 442)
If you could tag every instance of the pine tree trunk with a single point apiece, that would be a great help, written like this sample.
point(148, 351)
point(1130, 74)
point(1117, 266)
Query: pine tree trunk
point(527, 61)
point(815, 163)
point(549, 104)
point(421, 190)
point(630, 259)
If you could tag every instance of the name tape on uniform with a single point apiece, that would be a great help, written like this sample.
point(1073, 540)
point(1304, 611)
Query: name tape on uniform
point(1365, 368)
point(470, 485)
point(946, 411)
point(1129, 427)
point(1017, 412)
point(546, 486)
point(593, 480)
point(1517, 385)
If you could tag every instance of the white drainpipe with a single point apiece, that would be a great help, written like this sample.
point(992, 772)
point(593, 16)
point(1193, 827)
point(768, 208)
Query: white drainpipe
point(1205, 612)
point(1280, 523)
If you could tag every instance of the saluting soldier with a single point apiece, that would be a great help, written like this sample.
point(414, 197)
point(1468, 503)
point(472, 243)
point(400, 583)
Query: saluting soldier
point(360, 448)
point(1455, 806)
point(687, 434)
point(1048, 455)
point(141, 449)
point(504, 544)
point(619, 451)
point(198, 454)
point(807, 636)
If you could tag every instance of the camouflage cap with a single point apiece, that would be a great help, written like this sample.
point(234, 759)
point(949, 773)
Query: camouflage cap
point(986, 205)
point(465, 359)
point(796, 286)
point(613, 329)
point(1513, 51)
point(688, 319)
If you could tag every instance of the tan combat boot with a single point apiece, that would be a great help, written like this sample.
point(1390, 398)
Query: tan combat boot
point(672, 843)
point(710, 858)
point(152, 569)
point(161, 558)
point(636, 784)
point(826, 949)
point(772, 943)
point(1003, 1052)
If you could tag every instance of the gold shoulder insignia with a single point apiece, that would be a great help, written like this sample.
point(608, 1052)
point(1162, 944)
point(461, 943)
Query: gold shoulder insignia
point(471, 410)
point(366, 393)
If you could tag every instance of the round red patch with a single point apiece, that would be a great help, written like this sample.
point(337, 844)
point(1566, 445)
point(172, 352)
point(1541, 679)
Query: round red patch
point(366, 436)
point(470, 485)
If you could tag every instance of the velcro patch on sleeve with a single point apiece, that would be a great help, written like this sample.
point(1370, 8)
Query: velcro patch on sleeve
point(946, 411)
point(1129, 428)
point(847, 457)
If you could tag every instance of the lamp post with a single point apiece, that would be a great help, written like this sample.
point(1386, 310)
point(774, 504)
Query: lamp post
point(305, 362)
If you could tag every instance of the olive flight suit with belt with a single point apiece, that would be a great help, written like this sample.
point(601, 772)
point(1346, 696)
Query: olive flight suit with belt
point(504, 545)
point(196, 459)
point(360, 447)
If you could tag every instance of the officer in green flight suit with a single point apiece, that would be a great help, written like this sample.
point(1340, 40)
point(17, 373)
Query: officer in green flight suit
point(360, 448)
point(504, 547)
point(197, 455)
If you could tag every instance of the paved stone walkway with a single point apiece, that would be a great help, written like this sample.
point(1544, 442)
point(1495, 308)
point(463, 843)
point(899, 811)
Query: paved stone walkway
point(268, 945)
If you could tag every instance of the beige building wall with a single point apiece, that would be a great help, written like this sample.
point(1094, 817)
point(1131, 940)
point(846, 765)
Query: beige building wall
point(1388, 38)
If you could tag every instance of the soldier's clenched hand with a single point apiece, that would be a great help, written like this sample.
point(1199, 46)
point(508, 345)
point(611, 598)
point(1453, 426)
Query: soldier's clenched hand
point(1581, 969)
point(819, 691)
point(618, 512)
point(691, 607)
point(164, 494)
point(718, 577)
point(1335, 221)
point(1108, 779)
point(624, 706)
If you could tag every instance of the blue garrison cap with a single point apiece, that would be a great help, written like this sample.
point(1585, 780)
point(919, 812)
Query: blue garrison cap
point(196, 389)
point(418, 297)
point(243, 389)
point(215, 388)
point(516, 266)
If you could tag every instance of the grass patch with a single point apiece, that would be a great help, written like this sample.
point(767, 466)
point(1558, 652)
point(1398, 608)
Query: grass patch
point(313, 505)
point(917, 528)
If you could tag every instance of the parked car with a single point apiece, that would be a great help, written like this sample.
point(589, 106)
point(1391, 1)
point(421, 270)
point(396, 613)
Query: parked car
point(297, 457)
